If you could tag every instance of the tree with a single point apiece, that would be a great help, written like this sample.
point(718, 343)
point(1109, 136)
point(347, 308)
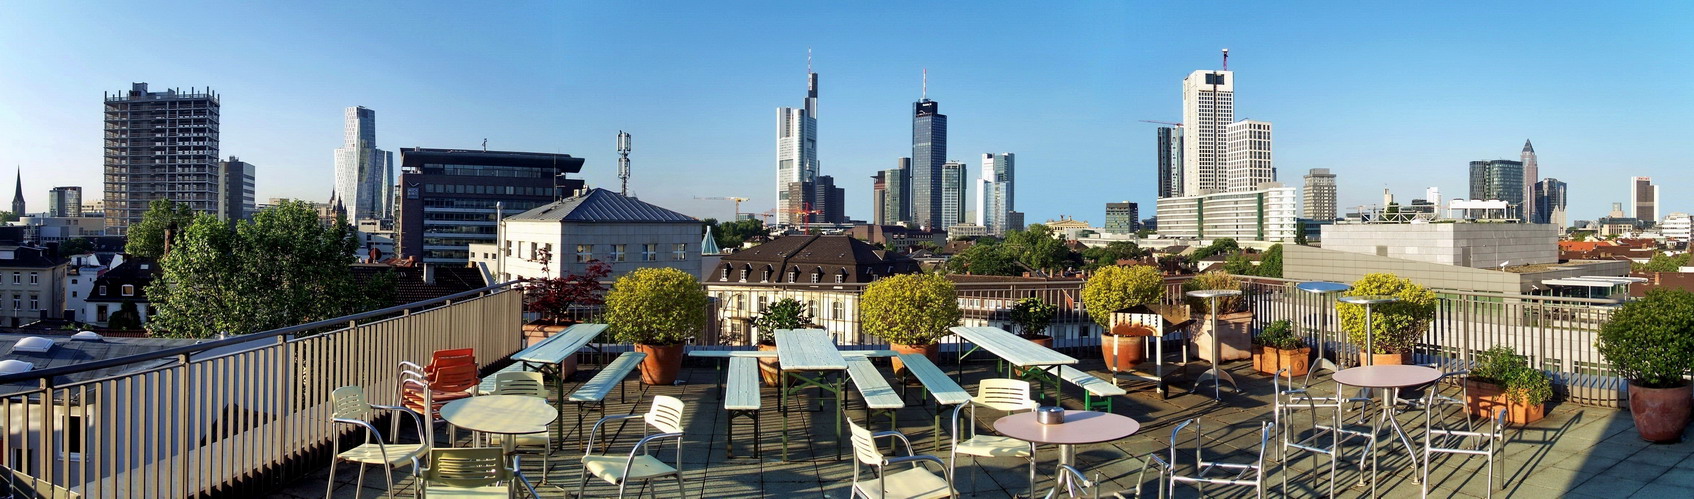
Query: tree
point(128, 317)
point(732, 234)
point(1660, 262)
point(7, 216)
point(787, 313)
point(283, 268)
point(1220, 245)
point(1143, 233)
point(656, 306)
point(1116, 288)
point(1038, 247)
point(147, 237)
point(1108, 255)
point(1300, 235)
point(1239, 264)
point(1270, 263)
point(910, 309)
point(1650, 341)
point(76, 246)
point(553, 298)
point(984, 259)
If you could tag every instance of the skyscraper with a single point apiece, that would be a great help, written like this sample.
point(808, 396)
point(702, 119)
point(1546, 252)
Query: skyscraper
point(237, 200)
point(1643, 199)
point(1549, 202)
point(64, 202)
point(18, 198)
point(1498, 180)
point(159, 145)
point(1531, 176)
point(797, 149)
point(827, 200)
point(879, 198)
point(897, 209)
point(1208, 107)
point(1121, 218)
point(1169, 150)
point(1249, 155)
point(364, 175)
point(952, 193)
point(994, 191)
point(1319, 195)
point(929, 152)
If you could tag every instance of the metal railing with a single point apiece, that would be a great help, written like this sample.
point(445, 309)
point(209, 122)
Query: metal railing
point(201, 419)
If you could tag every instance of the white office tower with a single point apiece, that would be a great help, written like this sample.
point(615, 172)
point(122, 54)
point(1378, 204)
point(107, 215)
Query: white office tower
point(994, 192)
point(1531, 175)
point(952, 193)
point(796, 150)
point(1208, 108)
point(1677, 227)
point(1643, 199)
point(1249, 156)
point(1319, 195)
point(364, 175)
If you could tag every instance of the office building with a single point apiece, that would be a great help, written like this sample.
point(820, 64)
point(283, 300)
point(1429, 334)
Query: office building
point(1549, 205)
point(1208, 107)
point(64, 202)
point(1643, 199)
point(1169, 150)
point(796, 151)
point(364, 175)
point(235, 198)
point(1499, 180)
point(929, 152)
point(31, 281)
point(1265, 214)
point(828, 200)
point(995, 191)
point(94, 208)
point(1319, 195)
point(18, 197)
point(1014, 221)
point(1677, 227)
point(1531, 177)
point(952, 193)
point(898, 203)
point(879, 198)
point(449, 196)
point(1248, 163)
point(1121, 218)
point(159, 145)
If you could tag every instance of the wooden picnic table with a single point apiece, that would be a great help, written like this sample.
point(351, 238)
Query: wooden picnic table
point(810, 359)
point(549, 356)
point(1015, 350)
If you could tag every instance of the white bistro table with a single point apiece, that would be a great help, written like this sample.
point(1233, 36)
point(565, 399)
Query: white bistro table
point(1079, 428)
point(809, 358)
point(1390, 379)
point(503, 415)
point(1015, 350)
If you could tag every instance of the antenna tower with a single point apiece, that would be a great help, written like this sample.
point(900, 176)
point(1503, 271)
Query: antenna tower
point(623, 161)
point(1226, 59)
point(925, 95)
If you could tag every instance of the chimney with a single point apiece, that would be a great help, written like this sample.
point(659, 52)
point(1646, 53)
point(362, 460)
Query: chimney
point(429, 274)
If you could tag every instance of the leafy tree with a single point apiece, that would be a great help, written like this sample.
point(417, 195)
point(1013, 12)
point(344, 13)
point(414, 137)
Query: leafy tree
point(655, 306)
point(732, 234)
point(147, 237)
point(1214, 280)
point(984, 259)
point(787, 313)
point(126, 318)
point(1239, 264)
point(1108, 255)
point(7, 216)
point(553, 298)
point(1395, 326)
point(1033, 316)
point(1220, 245)
point(1143, 233)
point(1300, 236)
point(910, 309)
point(1038, 247)
point(283, 268)
point(1116, 288)
point(1270, 263)
point(76, 246)
point(1666, 263)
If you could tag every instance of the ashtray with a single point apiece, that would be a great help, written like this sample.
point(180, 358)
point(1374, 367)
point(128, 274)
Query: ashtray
point(1050, 415)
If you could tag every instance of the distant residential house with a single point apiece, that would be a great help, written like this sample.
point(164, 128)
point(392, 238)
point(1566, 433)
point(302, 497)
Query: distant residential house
point(121, 290)
point(824, 272)
point(566, 236)
point(31, 283)
point(79, 282)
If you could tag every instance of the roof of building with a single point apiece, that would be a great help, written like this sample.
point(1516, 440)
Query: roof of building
point(856, 260)
point(709, 244)
point(416, 157)
point(409, 285)
point(135, 270)
point(66, 351)
point(30, 257)
point(602, 206)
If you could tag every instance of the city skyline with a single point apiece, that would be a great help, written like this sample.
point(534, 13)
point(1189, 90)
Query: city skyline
point(1069, 103)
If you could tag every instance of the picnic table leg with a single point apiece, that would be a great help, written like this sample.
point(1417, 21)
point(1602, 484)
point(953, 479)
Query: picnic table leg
point(783, 390)
point(840, 387)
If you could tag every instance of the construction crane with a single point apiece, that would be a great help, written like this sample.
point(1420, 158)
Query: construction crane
point(1178, 125)
point(737, 201)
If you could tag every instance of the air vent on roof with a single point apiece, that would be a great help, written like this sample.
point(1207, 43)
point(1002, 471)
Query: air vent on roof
point(144, 266)
point(14, 366)
point(33, 344)
point(86, 336)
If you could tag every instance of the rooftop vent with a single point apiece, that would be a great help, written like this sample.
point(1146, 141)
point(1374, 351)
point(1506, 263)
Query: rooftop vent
point(86, 336)
point(14, 367)
point(35, 344)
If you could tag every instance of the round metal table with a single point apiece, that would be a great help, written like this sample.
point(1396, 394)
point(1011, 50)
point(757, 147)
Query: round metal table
point(504, 415)
point(1080, 427)
point(1390, 379)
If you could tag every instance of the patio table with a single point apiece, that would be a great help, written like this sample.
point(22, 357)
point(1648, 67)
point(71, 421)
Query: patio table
point(809, 358)
point(504, 415)
point(1389, 378)
point(1015, 350)
point(1079, 428)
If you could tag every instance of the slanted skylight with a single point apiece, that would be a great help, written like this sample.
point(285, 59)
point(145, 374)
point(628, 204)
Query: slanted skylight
point(35, 344)
point(14, 366)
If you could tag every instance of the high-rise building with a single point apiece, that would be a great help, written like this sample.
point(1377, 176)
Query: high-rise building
point(18, 198)
point(1643, 199)
point(1169, 149)
point(1249, 155)
point(897, 207)
point(1498, 180)
point(952, 193)
point(159, 145)
point(797, 149)
point(1531, 176)
point(237, 200)
point(64, 202)
point(879, 198)
point(449, 197)
point(1319, 195)
point(1121, 218)
point(1549, 205)
point(1208, 107)
point(364, 175)
point(1677, 227)
point(929, 152)
point(995, 191)
point(828, 200)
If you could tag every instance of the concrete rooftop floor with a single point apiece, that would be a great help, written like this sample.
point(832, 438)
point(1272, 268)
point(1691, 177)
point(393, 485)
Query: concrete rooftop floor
point(1576, 451)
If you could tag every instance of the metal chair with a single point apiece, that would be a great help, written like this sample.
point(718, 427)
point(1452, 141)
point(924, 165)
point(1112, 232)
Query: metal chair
point(469, 472)
point(665, 415)
point(1288, 400)
point(1076, 484)
point(1486, 441)
point(1009, 395)
point(1256, 470)
point(528, 384)
point(349, 406)
point(915, 483)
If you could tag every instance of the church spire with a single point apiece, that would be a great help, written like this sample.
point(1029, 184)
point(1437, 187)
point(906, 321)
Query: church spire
point(18, 199)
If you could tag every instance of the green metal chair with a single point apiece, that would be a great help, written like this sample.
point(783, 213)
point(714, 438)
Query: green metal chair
point(349, 406)
point(664, 416)
point(915, 483)
point(470, 472)
point(528, 384)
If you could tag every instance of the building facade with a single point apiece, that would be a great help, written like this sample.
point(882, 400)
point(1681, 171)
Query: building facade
point(796, 150)
point(449, 196)
point(1498, 180)
point(929, 152)
point(1122, 218)
point(1643, 198)
point(952, 193)
point(1319, 195)
point(1169, 151)
point(1549, 206)
point(31, 283)
point(1677, 227)
point(159, 145)
point(122, 291)
point(897, 207)
point(1249, 162)
point(364, 175)
point(236, 200)
point(1266, 214)
point(1474, 245)
point(879, 198)
point(64, 202)
point(1208, 107)
point(995, 193)
point(567, 236)
point(1531, 177)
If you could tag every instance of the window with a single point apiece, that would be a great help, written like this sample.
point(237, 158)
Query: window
point(793, 275)
point(34, 278)
point(817, 275)
point(73, 294)
point(102, 291)
point(532, 249)
point(838, 309)
point(744, 271)
point(17, 278)
point(617, 252)
point(128, 290)
point(650, 252)
point(35, 302)
point(17, 302)
point(680, 253)
point(73, 438)
point(767, 277)
point(101, 313)
point(584, 253)
point(840, 278)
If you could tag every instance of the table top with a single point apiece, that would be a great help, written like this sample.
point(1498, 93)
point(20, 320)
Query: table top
point(503, 414)
point(1392, 376)
point(1017, 350)
point(1080, 427)
point(808, 350)
point(558, 347)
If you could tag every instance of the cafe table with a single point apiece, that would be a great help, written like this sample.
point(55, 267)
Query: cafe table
point(1078, 428)
point(503, 415)
point(1389, 379)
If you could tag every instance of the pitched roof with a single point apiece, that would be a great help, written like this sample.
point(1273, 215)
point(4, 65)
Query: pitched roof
point(600, 205)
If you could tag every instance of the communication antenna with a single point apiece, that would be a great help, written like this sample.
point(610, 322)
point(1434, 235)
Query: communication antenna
point(925, 95)
point(623, 161)
point(1226, 59)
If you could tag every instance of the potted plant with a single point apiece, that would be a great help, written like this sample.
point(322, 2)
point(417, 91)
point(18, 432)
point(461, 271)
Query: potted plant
point(910, 311)
point(1032, 317)
point(787, 313)
point(1395, 326)
point(1277, 348)
point(1234, 319)
point(1117, 288)
point(656, 309)
point(1502, 379)
point(552, 299)
point(1650, 342)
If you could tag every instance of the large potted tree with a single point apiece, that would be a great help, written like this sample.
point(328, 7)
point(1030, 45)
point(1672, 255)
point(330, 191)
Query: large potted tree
point(1395, 326)
point(1502, 379)
point(555, 300)
point(1234, 318)
point(787, 313)
point(1032, 315)
point(910, 311)
point(1118, 288)
point(1650, 342)
point(1277, 348)
point(656, 309)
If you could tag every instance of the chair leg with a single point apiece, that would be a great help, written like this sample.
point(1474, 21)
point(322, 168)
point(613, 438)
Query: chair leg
point(359, 484)
point(330, 489)
point(582, 487)
point(621, 486)
point(680, 491)
point(388, 474)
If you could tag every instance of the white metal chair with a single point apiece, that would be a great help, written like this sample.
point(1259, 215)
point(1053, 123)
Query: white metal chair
point(471, 472)
point(349, 406)
point(1078, 485)
point(1245, 474)
point(1322, 437)
point(915, 483)
point(665, 415)
point(528, 384)
point(1486, 441)
point(1009, 395)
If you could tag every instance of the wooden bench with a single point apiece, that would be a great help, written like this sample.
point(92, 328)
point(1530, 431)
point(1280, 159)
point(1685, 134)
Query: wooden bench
point(878, 396)
point(938, 384)
point(742, 400)
point(725, 355)
point(1093, 387)
point(593, 392)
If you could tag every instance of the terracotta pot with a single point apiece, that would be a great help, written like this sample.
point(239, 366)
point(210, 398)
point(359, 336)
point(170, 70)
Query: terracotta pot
point(769, 368)
point(662, 363)
point(1391, 359)
point(536, 331)
point(1484, 398)
point(1660, 413)
point(1270, 360)
point(932, 351)
point(1122, 353)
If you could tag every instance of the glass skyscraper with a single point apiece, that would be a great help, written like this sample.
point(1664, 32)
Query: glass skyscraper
point(929, 152)
point(1498, 180)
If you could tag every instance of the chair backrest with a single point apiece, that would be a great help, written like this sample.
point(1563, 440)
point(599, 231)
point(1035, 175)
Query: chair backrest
point(864, 446)
point(452, 356)
point(454, 377)
point(467, 467)
point(1077, 484)
point(348, 402)
point(665, 414)
point(1004, 394)
point(524, 383)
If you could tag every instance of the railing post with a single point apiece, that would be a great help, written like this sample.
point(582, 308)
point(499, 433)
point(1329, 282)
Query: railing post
point(183, 417)
point(48, 454)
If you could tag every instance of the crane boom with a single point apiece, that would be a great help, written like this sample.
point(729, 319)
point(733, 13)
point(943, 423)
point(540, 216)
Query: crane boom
point(1162, 123)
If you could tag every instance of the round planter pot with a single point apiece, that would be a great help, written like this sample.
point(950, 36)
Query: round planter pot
point(1661, 414)
point(931, 351)
point(662, 363)
point(1122, 353)
point(769, 368)
point(1391, 359)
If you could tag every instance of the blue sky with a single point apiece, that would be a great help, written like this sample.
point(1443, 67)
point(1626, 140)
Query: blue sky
point(1400, 96)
